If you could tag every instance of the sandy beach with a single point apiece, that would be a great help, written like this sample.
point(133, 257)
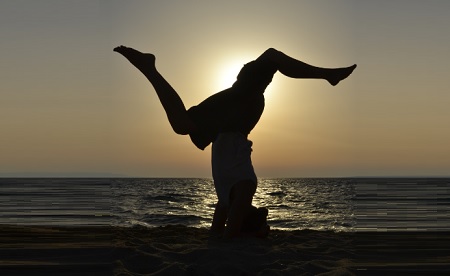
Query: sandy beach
point(179, 250)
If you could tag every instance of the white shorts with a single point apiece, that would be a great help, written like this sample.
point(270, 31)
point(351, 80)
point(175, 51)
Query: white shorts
point(231, 163)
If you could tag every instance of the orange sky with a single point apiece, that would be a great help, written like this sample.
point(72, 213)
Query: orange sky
point(70, 106)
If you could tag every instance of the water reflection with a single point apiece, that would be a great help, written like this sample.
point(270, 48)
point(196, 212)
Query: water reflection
point(292, 203)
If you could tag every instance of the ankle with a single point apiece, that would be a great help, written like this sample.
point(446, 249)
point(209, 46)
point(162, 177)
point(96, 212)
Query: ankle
point(151, 73)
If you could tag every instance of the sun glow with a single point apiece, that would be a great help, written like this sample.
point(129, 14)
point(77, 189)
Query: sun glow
point(228, 72)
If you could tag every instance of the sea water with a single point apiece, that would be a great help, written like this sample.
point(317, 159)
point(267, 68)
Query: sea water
point(292, 203)
point(338, 204)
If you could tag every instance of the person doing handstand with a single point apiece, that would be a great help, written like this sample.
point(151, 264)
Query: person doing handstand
point(225, 119)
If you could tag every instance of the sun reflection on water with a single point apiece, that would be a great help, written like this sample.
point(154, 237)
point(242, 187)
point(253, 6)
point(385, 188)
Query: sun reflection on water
point(320, 204)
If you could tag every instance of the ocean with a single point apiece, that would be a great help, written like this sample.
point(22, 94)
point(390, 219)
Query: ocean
point(336, 204)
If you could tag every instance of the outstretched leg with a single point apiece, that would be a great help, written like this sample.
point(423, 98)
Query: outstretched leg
point(171, 101)
point(293, 68)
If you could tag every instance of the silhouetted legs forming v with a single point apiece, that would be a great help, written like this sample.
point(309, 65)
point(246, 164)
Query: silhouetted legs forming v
point(241, 193)
point(171, 101)
point(173, 105)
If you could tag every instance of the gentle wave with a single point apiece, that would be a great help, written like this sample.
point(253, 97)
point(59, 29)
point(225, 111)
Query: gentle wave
point(319, 204)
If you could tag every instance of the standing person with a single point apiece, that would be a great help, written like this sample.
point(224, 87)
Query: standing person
point(225, 119)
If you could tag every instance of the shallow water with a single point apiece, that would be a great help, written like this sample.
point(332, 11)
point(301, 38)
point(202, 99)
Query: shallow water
point(292, 203)
point(339, 204)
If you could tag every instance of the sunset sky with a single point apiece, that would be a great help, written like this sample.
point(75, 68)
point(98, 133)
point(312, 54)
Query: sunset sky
point(70, 106)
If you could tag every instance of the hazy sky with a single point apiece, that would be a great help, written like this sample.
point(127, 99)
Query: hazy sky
point(70, 106)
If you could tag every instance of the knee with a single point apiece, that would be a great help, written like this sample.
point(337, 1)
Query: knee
point(271, 53)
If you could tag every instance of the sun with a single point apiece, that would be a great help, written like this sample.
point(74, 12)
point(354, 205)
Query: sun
point(228, 71)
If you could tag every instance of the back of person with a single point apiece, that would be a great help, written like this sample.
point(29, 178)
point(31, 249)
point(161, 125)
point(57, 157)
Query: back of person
point(237, 109)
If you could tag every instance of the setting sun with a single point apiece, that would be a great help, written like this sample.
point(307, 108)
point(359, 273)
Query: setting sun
point(228, 71)
point(68, 97)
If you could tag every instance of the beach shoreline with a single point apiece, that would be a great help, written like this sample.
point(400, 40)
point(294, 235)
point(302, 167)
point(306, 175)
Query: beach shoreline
point(177, 249)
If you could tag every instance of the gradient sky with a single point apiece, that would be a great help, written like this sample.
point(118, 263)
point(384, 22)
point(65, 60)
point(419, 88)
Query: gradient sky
point(70, 106)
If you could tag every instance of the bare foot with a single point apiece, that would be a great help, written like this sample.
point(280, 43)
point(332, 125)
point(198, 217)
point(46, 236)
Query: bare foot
point(263, 232)
point(142, 61)
point(340, 74)
point(255, 221)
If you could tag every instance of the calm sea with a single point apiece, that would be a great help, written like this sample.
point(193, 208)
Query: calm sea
point(339, 204)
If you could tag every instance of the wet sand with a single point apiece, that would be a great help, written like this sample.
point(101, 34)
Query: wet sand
point(180, 250)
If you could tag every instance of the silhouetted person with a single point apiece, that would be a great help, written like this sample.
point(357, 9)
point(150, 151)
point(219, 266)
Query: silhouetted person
point(225, 119)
